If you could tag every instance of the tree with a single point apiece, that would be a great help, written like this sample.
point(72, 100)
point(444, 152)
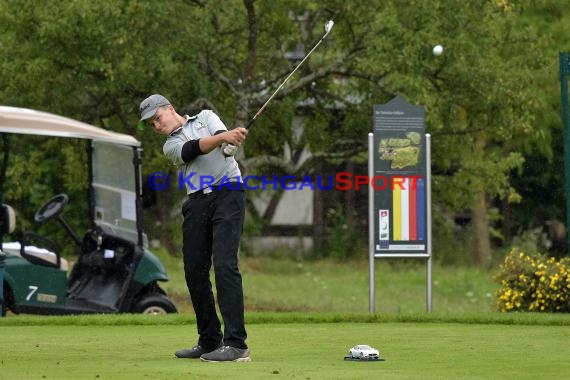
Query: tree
point(95, 60)
point(480, 100)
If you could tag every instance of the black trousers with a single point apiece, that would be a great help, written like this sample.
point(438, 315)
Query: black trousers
point(212, 229)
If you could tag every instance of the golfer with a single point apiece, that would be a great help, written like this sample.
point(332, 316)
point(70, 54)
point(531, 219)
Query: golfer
point(213, 223)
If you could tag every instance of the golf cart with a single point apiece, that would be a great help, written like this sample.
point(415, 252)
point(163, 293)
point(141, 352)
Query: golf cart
point(114, 271)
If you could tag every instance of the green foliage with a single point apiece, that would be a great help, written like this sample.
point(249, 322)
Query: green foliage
point(343, 241)
point(541, 179)
point(40, 168)
point(534, 283)
point(528, 241)
point(450, 241)
point(491, 97)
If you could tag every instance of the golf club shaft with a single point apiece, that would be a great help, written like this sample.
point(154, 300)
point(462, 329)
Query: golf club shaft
point(285, 81)
point(328, 27)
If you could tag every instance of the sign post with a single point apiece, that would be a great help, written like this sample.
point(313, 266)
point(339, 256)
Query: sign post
point(400, 188)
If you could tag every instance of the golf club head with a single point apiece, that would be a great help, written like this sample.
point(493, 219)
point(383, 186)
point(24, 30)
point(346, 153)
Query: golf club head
point(328, 26)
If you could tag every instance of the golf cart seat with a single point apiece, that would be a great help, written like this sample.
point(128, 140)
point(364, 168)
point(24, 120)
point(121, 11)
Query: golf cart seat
point(41, 254)
point(7, 219)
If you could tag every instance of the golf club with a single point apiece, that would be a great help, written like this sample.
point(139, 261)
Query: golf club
point(230, 149)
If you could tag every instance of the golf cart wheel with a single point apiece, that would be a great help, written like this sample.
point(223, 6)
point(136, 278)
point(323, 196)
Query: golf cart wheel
point(154, 303)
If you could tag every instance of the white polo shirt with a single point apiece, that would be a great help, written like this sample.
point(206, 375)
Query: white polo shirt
point(211, 168)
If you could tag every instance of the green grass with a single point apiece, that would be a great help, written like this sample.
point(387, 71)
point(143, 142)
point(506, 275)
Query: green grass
point(284, 350)
point(256, 318)
point(302, 317)
point(280, 284)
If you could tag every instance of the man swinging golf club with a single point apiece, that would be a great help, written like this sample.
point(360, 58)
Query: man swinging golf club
point(213, 218)
point(212, 227)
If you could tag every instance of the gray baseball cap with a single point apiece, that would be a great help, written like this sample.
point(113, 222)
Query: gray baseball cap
point(151, 104)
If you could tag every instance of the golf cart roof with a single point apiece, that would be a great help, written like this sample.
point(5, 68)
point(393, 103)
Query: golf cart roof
point(27, 121)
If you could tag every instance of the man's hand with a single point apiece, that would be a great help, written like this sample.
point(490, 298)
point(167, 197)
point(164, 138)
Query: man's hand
point(236, 136)
point(233, 139)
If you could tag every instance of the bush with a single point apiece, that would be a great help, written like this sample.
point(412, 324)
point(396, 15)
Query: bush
point(534, 283)
point(343, 240)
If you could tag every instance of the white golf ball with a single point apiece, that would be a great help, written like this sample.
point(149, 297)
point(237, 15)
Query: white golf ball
point(437, 50)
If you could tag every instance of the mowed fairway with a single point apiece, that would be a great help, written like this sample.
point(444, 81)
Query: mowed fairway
point(289, 351)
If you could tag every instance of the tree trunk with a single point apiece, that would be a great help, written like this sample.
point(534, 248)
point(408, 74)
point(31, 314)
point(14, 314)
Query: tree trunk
point(480, 227)
point(481, 238)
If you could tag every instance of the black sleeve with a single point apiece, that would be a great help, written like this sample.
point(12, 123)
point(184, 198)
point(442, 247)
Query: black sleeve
point(191, 150)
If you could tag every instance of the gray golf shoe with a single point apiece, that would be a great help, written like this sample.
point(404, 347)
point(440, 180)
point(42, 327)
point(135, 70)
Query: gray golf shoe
point(227, 354)
point(191, 353)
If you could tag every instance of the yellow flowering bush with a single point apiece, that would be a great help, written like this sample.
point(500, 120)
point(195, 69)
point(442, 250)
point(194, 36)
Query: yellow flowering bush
point(534, 283)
